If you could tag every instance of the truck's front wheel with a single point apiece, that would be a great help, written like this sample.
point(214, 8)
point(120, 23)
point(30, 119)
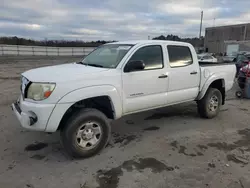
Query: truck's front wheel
point(86, 133)
point(209, 105)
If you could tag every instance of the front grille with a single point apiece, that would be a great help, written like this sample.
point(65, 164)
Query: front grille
point(24, 84)
point(18, 107)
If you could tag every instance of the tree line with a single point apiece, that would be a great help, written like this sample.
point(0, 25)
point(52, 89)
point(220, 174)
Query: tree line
point(54, 43)
point(79, 43)
point(197, 42)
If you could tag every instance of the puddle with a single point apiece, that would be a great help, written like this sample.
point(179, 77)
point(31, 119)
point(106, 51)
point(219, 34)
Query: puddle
point(243, 142)
point(130, 122)
point(182, 150)
point(36, 146)
point(222, 146)
point(199, 153)
point(10, 167)
point(123, 140)
point(30, 186)
point(110, 178)
point(224, 110)
point(211, 165)
point(153, 128)
point(202, 147)
point(241, 145)
point(157, 116)
point(172, 112)
point(37, 157)
point(174, 144)
point(236, 159)
point(243, 109)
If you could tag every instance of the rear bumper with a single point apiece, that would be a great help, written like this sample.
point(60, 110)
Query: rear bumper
point(32, 116)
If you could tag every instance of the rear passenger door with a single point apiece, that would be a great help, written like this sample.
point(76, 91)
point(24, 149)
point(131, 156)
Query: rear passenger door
point(184, 74)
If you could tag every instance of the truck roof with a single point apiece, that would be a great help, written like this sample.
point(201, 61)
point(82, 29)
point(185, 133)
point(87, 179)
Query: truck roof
point(133, 42)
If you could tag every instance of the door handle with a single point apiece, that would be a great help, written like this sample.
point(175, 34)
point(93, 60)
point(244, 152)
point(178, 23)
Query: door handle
point(194, 72)
point(163, 76)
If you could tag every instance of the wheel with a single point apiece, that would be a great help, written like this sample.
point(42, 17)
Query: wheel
point(86, 133)
point(209, 105)
point(238, 94)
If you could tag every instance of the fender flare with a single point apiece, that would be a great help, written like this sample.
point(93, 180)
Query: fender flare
point(95, 91)
point(77, 95)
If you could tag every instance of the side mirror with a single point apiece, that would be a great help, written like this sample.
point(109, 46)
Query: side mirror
point(134, 66)
point(201, 59)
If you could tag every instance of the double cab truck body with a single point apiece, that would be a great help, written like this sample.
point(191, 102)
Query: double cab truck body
point(114, 80)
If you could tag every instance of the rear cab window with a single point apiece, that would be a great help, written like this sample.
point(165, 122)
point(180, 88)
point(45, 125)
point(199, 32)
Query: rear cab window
point(179, 56)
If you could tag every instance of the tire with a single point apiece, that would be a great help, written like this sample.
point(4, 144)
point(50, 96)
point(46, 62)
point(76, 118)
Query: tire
point(204, 108)
point(238, 94)
point(86, 123)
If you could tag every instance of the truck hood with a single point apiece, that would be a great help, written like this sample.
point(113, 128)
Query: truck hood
point(61, 73)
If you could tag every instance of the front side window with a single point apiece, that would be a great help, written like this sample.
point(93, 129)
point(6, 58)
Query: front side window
point(107, 56)
point(150, 55)
point(179, 56)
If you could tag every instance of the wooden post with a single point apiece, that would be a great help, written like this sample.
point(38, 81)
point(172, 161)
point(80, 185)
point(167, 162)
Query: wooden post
point(17, 47)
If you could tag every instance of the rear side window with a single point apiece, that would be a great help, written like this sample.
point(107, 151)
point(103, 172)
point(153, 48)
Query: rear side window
point(151, 56)
point(179, 56)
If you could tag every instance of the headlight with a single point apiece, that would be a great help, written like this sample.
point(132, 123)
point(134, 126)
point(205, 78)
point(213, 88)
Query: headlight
point(40, 91)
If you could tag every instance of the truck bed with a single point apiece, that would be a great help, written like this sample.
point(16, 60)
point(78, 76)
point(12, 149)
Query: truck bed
point(226, 71)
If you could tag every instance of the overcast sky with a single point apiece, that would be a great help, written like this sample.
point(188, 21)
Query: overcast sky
point(116, 19)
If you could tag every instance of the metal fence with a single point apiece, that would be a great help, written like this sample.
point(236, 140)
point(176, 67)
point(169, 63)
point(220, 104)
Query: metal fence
point(15, 50)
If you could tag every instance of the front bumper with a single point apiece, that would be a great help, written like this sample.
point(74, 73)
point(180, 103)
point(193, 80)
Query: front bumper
point(32, 116)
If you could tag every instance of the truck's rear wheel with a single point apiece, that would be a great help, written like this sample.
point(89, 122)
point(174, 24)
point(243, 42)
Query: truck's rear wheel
point(86, 133)
point(209, 105)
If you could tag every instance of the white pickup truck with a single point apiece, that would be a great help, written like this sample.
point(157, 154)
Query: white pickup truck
point(114, 80)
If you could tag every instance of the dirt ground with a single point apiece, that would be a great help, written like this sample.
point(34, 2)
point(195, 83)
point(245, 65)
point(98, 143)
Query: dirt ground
point(166, 148)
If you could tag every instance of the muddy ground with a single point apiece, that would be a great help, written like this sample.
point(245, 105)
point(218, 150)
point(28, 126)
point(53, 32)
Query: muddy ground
point(164, 148)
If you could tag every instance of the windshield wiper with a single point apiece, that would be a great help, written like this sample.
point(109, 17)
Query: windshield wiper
point(94, 65)
point(89, 64)
point(80, 62)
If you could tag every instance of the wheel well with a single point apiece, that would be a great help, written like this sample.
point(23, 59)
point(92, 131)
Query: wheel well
point(220, 85)
point(101, 103)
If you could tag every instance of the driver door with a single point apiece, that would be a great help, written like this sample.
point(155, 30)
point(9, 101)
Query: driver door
point(145, 89)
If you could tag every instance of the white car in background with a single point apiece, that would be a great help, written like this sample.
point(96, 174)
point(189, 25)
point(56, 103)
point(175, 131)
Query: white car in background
point(207, 58)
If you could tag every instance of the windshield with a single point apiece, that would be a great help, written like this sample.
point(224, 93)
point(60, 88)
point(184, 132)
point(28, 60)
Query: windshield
point(107, 56)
